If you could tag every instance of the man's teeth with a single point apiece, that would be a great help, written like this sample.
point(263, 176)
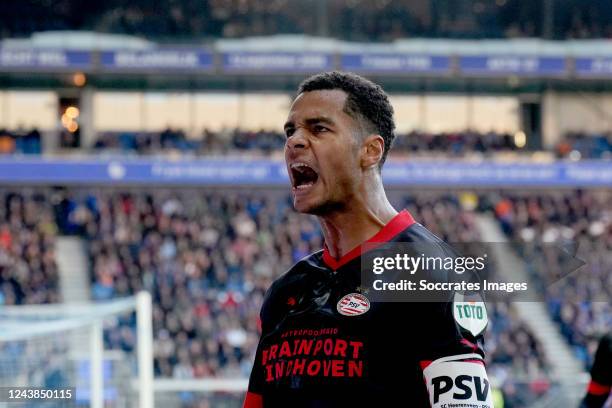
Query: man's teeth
point(298, 165)
point(301, 168)
point(302, 186)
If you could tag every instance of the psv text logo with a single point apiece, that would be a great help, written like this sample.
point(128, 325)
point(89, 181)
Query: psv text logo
point(463, 387)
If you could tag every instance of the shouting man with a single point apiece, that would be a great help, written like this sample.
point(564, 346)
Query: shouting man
point(323, 343)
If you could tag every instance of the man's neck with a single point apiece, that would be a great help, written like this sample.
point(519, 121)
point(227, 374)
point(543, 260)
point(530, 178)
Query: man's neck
point(344, 230)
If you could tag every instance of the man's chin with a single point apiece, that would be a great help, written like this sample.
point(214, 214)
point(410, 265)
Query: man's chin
point(312, 207)
point(304, 206)
point(305, 200)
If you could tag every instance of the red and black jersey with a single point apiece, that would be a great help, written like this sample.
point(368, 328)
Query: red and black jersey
point(324, 344)
point(600, 386)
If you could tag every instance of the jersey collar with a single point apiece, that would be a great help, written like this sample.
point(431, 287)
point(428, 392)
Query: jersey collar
point(397, 224)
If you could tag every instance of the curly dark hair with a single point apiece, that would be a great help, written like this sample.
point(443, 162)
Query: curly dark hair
point(366, 102)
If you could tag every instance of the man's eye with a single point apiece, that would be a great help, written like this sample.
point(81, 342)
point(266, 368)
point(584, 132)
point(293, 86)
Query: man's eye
point(319, 128)
point(289, 132)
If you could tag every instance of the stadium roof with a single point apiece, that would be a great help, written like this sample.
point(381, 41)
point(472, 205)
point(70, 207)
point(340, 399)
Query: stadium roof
point(93, 41)
point(79, 40)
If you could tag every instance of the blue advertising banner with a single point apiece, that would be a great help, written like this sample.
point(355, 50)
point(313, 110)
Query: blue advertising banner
point(44, 59)
point(492, 174)
point(396, 63)
point(593, 67)
point(163, 59)
point(265, 172)
point(276, 61)
point(512, 65)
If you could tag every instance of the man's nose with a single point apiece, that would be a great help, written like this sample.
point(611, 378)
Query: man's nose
point(297, 140)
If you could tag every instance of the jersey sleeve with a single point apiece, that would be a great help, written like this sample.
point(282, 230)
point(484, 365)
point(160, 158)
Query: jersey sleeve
point(271, 312)
point(452, 354)
point(254, 395)
point(600, 385)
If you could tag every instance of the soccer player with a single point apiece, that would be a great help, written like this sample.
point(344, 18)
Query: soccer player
point(600, 386)
point(323, 343)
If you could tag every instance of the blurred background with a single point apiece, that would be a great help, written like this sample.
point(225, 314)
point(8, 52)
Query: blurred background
point(141, 149)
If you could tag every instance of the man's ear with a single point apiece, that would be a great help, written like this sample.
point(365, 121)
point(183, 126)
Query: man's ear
point(372, 150)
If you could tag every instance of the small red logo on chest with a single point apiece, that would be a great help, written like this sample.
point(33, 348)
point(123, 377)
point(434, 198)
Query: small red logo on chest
point(353, 304)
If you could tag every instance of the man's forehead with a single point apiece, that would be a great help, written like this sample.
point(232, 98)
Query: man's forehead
point(323, 103)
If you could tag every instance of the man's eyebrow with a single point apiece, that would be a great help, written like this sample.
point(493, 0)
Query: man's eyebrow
point(310, 121)
point(320, 119)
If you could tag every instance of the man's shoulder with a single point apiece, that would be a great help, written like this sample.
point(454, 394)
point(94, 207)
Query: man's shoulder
point(310, 262)
point(421, 237)
point(287, 288)
point(296, 274)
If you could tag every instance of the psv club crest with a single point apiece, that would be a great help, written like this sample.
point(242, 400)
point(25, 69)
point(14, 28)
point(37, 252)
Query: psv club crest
point(353, 304)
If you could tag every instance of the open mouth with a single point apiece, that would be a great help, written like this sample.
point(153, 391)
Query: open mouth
point(303, 176)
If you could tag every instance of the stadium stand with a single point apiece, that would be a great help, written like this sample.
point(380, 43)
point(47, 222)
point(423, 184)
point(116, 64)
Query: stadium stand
point(578, 145)
point(456, 144)
point(357, 20)
point(579, 303)
point(215, 254)
point(451, 144)
point(208, 257)
point(20, 141)
point(28, 272)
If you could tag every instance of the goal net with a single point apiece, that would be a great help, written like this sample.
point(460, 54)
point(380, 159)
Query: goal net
point(101, 351)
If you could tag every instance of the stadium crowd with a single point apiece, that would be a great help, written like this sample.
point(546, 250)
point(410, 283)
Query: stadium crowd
point(578, 302)
point(450, 144)
point(580, 145)
point(205, 261)
point(356, 20)
point(208, 256)
point(28, 272)
point(235, 141)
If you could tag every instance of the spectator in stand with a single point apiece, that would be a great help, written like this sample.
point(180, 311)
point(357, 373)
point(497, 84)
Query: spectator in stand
point(28, 273)
point(20, 141)
point(580, 145)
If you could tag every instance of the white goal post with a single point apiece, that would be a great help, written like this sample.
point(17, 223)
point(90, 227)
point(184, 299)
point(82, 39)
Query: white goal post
point(51, 343)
